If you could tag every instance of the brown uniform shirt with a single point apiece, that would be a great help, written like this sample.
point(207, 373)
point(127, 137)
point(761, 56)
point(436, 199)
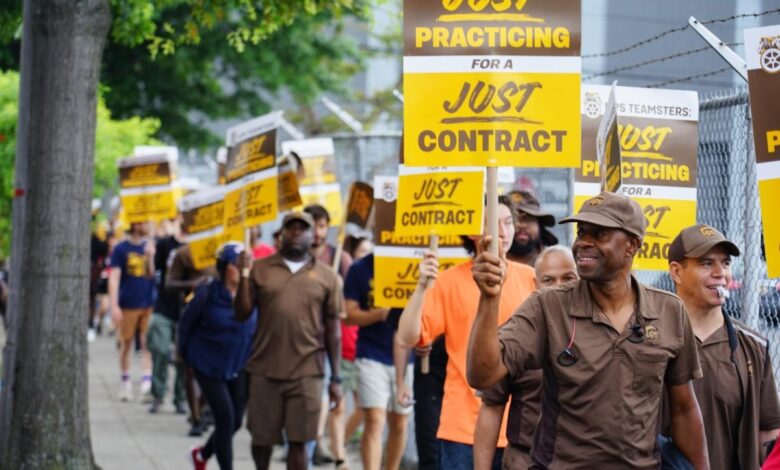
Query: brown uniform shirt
point(732, 431)
point(289, 342)
point(603, 411)
point(524, 409)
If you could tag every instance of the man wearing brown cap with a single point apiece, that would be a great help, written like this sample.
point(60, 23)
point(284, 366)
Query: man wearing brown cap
point(737, 394)
point(531, 232)
point(606, 345)
point(298, 300)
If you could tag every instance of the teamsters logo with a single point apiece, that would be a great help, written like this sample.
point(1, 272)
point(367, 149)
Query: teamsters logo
point(592, 105)
point(389, 192)
point(769, 50)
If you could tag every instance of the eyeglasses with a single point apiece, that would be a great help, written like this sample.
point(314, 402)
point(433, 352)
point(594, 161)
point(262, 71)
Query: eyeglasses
point(637, 334)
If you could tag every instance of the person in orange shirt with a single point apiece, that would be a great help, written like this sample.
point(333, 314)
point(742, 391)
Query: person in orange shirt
point(448, 308)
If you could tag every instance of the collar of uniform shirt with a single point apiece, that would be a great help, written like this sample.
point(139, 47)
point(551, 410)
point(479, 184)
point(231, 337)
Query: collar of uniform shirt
point(644, 311)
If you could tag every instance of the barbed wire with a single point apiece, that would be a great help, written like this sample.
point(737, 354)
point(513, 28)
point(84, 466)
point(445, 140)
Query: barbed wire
point(656, 60)
point(690, 77)
point(677, 30)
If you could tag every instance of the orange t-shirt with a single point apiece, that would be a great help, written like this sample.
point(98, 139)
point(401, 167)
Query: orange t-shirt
point(449, 308)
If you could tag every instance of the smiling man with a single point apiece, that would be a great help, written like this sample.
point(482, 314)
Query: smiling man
point(737, 395)
point(607, 346)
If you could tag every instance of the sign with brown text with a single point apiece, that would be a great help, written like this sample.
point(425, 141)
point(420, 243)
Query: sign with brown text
point(492, 83)
point(658, 137)
point(202, 222)
point(251, 175)
point(397, 257)
point(762, 48)
point(146, 184)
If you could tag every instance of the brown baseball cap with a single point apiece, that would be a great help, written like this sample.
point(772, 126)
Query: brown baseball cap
point(304, 217)
point(613, 211)
point(528, 203)
point(696, 241)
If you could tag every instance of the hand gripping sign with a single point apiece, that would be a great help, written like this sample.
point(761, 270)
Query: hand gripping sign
point(762, 46)
point(492, 82)
point(397, 257)
point(251, 175)
point(146, 183)
point(658, 135)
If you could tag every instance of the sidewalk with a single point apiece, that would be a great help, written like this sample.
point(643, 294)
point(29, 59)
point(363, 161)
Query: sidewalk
point(126, 436)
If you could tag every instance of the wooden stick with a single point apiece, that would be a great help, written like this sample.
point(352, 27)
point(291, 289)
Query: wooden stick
point(340, 235)
point(491, 209)
point(425, 364)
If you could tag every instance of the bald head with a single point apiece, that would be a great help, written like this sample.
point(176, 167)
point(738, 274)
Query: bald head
point(555, 265)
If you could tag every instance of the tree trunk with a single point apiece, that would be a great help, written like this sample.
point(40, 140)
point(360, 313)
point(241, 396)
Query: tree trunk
point(44, 415)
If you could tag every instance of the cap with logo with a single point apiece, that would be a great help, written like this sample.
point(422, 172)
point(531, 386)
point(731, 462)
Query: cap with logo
point(696, 241)
point(612, 211)
point(529, 204)
point(298, 215)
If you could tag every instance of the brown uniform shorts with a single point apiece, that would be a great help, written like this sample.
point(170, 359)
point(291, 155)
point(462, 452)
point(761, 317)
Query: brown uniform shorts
point(134, 319)
point(289, 405)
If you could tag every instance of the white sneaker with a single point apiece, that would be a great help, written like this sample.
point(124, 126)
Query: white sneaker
point(126, 391)
point(91, 335)
point(146, 391)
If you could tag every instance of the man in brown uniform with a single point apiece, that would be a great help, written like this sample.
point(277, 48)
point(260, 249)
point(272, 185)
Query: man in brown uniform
point(606, 345)
point(299, 301)
point(554, 266)
point(737, 395)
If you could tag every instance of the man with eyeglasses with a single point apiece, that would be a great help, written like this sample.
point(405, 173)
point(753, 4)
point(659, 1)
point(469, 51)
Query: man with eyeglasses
point(607, 345)
point(737, 395)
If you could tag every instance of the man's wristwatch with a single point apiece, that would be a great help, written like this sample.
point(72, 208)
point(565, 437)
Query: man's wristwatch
point(245, 272)
point(335, 379)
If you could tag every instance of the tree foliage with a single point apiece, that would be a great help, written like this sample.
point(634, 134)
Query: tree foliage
point(114, 139)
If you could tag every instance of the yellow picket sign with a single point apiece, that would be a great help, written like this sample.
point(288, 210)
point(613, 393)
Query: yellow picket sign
point(769, 190)
point(501, 119)
point(396, 280)
point(148, 206)
point(203, 251)
point(666, 218)
point(289, 196)
point(261, 200)
point(440, 202)
point(328, 196)
point(233, 226)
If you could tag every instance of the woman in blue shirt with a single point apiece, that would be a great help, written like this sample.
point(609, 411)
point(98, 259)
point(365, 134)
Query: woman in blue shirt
point(217, 346)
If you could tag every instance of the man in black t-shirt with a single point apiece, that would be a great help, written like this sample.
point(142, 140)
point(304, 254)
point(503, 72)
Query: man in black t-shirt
point(162, 329)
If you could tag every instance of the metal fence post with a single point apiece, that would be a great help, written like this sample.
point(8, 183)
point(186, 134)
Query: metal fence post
point(752, 246)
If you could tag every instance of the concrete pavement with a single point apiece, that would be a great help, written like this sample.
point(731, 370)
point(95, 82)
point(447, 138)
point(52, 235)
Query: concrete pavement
point(125, 436)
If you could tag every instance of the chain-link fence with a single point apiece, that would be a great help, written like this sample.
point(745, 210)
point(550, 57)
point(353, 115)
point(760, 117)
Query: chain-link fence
point(727, 199)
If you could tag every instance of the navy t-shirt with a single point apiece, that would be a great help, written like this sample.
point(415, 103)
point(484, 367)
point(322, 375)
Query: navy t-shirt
point(135, 289)
point(375, 341)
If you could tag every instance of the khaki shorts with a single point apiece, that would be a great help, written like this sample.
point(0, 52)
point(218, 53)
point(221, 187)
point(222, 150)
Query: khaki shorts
point(289, 405)
point(377, 388)
point(134, 319)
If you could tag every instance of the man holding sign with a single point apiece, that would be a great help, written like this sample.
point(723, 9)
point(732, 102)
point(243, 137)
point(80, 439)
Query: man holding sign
point(607, 346)
point(448, 308)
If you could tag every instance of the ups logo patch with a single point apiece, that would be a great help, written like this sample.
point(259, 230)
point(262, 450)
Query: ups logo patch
point(651, 333)
point(707, 232)
point(596, 201)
